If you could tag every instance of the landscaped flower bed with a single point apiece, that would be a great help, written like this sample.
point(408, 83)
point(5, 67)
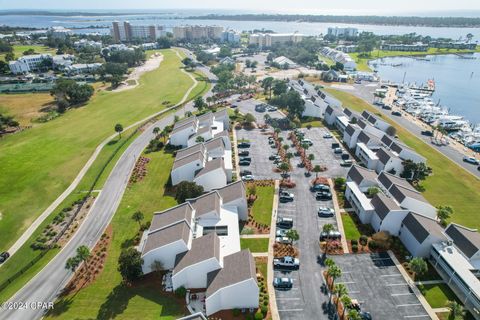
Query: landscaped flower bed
point(140, 170)
point(283, 250)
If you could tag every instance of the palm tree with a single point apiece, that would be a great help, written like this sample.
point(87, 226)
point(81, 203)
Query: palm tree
point(156, 130)
point(138, 216)
point(354, 315)
point(83, 253)
point(329, 262)
point(311, 157)
point(456, 309)
point(317, 169)
point(340, 290)
point(284, 167)
point(334, 272)
point(418, 266)
point(72, 264)
point(346, 301)
point(327, 228)
point(119, 129)
point(286, 147)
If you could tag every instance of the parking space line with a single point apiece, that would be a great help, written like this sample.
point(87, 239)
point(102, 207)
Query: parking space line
point(418, 316)
point(347, 282)
point(352, 292)
point(396, 284)
point(288, 299)
point(290, 310)
point(287, 215)
point(401, 294)
point(391, 275)
point(408, 305)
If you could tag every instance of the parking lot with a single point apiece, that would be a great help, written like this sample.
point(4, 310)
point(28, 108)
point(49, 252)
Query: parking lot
point(324, 156)
point(259, 151)
point(374, 280)
point(306, 300)
point(248, 106)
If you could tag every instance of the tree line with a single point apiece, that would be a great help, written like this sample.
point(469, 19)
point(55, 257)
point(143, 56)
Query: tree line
point(375, 20)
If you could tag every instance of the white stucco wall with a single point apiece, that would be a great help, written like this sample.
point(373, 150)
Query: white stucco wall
point(186, 172)
point(241, 295)
point(212, 180)
point(166, 255)
point(195, 276)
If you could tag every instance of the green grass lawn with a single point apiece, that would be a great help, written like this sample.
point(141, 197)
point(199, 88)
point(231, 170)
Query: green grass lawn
point(24, 107)
point(262, 207)
point(438, 295)
point(254, 244)
point(25, 254)
point(351, 231)
point(19, 49)
point(362, 63)
point(262, 267)
point(313, 123)
point(450, 184)
point(107, 297)
point(41, 162)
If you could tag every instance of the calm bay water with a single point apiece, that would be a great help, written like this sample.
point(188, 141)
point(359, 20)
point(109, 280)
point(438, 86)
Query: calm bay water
point(171, 19)
point(457, 80)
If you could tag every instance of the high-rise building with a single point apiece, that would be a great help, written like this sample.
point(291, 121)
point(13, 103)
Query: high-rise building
point(343, 32)
point(128, 32)
point(197, 32)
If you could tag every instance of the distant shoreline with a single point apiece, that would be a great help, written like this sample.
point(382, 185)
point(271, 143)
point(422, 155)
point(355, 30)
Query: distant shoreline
point(412, 21)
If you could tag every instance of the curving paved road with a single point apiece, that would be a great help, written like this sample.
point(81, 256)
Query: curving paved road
point(47, 284)
point(28, 233)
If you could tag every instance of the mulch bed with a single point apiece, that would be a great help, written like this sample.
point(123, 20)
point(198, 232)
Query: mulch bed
point(89, 271)
point(140, 170)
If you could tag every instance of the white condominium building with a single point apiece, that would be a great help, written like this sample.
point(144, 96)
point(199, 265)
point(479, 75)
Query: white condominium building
point(270, 39)
point(127, 32)
point(198, 32)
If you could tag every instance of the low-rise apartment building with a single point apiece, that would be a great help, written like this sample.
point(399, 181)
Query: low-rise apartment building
point(199, 243)
point(341, 57)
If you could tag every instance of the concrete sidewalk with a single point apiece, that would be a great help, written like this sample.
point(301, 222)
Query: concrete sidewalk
point(338, 216)
point(273, 230)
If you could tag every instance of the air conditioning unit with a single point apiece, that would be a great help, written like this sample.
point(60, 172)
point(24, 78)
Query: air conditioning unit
point(449, 243)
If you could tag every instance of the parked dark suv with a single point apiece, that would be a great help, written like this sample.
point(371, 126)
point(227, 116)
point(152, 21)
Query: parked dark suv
point(4, 256)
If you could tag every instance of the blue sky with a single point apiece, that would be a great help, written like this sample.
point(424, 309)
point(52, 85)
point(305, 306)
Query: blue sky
point(432, 7)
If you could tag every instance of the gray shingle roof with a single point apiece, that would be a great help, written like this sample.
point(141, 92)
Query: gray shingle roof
point(387, 140)
point(214, 144)
point(190, 150)
point(387, 180)
point(467, 240)
point(329, 110)
point(365, 114)
point(206, 116)
point(223, 133)
point(160, 238)
point(361, 123)
point(206, 203)
point(210, 166)
point(400, 193)
point(358, 174)
point(384, 155)
point(383, 205)
point(221, 113)
point(203, 248)
point(350, 130)
point(182, 122)
point(421, 227)
point(188, 159)
point(162, 219)
point(237, 267)
point(396, 147)
point(232, 192)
